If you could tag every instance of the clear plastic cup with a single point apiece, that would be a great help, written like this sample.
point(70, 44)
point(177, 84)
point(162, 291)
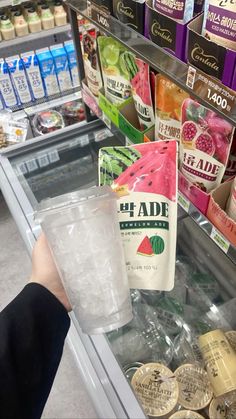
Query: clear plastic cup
point(83, 233)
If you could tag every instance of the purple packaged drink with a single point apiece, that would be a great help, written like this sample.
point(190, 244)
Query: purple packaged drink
point(179, 10)
point(219, 22)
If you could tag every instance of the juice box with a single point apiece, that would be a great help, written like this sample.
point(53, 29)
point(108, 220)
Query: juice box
point(6, 87)
point(71, 55)
point(61, 67)
point(31, 66)
point(18, 77)
point(48, 73)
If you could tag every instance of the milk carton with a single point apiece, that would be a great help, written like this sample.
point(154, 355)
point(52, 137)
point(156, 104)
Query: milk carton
point(61, 67)
point(6, 87)
point(47, 69)
point(19, 80)
point(71, 54)
point(31, 66)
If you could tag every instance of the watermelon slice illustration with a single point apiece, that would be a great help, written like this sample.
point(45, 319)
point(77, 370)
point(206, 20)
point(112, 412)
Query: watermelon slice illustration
point(145, 247)
point(155, 173)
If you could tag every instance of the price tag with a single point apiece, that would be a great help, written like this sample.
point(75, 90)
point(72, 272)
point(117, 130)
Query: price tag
point(211, 90)
point(22, 168)
point(31, 165)
point(84, 140)
point(183, 202)
point(220, 240)
point(106, 120)
point(100, 16)
point(53, 156)
point(43, 160)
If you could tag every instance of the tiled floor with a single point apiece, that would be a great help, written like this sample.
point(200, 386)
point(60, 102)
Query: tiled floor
point(68, 398)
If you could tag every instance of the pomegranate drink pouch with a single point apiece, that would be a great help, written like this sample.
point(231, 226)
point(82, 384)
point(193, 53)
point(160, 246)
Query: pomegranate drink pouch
point(168, 101)
point(230, 170)
point(141, 90)
point(145, 178)
point(219, 22)
point(205, 144)
point(115, 75)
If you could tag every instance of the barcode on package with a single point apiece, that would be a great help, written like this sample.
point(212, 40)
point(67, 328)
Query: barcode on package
point(191, 77)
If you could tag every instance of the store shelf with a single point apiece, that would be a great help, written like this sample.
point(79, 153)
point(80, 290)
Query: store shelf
point(50, 101)
point(207, 227)
point(53, 101)
point(155, 56)
point(33, 36)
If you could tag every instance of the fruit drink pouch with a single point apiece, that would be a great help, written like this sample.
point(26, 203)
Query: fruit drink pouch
point(90, 58)
point(153, 85)
point(145, 178)
point(141, 91)
point(231, 204)
point(182, 11)
point(230, 170)
point(219, 23)
point(115, 75)
point(205, 144)
point(168, 102)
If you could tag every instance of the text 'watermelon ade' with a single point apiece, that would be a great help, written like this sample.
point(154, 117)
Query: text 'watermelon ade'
point(145, 178)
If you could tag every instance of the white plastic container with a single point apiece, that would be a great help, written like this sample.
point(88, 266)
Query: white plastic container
point(83, 233)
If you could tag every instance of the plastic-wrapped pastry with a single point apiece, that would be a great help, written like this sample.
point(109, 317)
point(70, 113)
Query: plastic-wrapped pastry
point(72, 112)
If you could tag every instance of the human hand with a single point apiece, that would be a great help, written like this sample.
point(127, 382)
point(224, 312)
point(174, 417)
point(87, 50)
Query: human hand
point(44, 271)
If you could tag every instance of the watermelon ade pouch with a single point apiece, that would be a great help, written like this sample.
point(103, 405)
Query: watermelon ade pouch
point(168, 102)
point(141, 89)
point(145, 178)
point(114, 71)
point(205, 145)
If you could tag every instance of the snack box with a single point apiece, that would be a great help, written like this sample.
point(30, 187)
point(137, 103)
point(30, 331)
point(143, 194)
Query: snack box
point(166, 32)
point(233, 85)
point(216, 211)
point(124, 117)
point(213, 59)
point(195, 195)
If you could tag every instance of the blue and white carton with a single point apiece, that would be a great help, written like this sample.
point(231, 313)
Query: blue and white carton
point(31, 66)
point(61, 67)
point(48, 73)
point(71, 54)
point(6, 87)
point(18, 77)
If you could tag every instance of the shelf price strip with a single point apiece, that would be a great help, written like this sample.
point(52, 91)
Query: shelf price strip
point(212, 91)
point(183, 202)
point(220, 240)
point(99, 16)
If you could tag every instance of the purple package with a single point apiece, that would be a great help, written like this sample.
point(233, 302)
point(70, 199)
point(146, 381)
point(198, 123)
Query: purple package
point(233, 85)
point(179, 10)
point(166, 33)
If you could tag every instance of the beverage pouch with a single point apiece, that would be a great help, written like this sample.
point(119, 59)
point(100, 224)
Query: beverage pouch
point(205, 144)
point(145, 177)
point(114, 70)
point(219, 22)
point(168, 101)
point(182, 11)
point(90, 58)
point(138, 72)
point(231, 203)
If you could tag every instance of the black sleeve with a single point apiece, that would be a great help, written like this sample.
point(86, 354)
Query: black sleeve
point(33, 328)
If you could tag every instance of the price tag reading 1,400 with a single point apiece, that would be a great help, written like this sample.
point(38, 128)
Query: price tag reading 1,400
point(217, 99)
point(220, 240)
point(100, 16)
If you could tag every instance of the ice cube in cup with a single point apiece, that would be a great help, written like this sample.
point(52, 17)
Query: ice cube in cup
point(83, 233)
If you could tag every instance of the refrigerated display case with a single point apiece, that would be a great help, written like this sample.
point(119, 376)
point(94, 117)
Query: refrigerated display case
point(38, 170)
